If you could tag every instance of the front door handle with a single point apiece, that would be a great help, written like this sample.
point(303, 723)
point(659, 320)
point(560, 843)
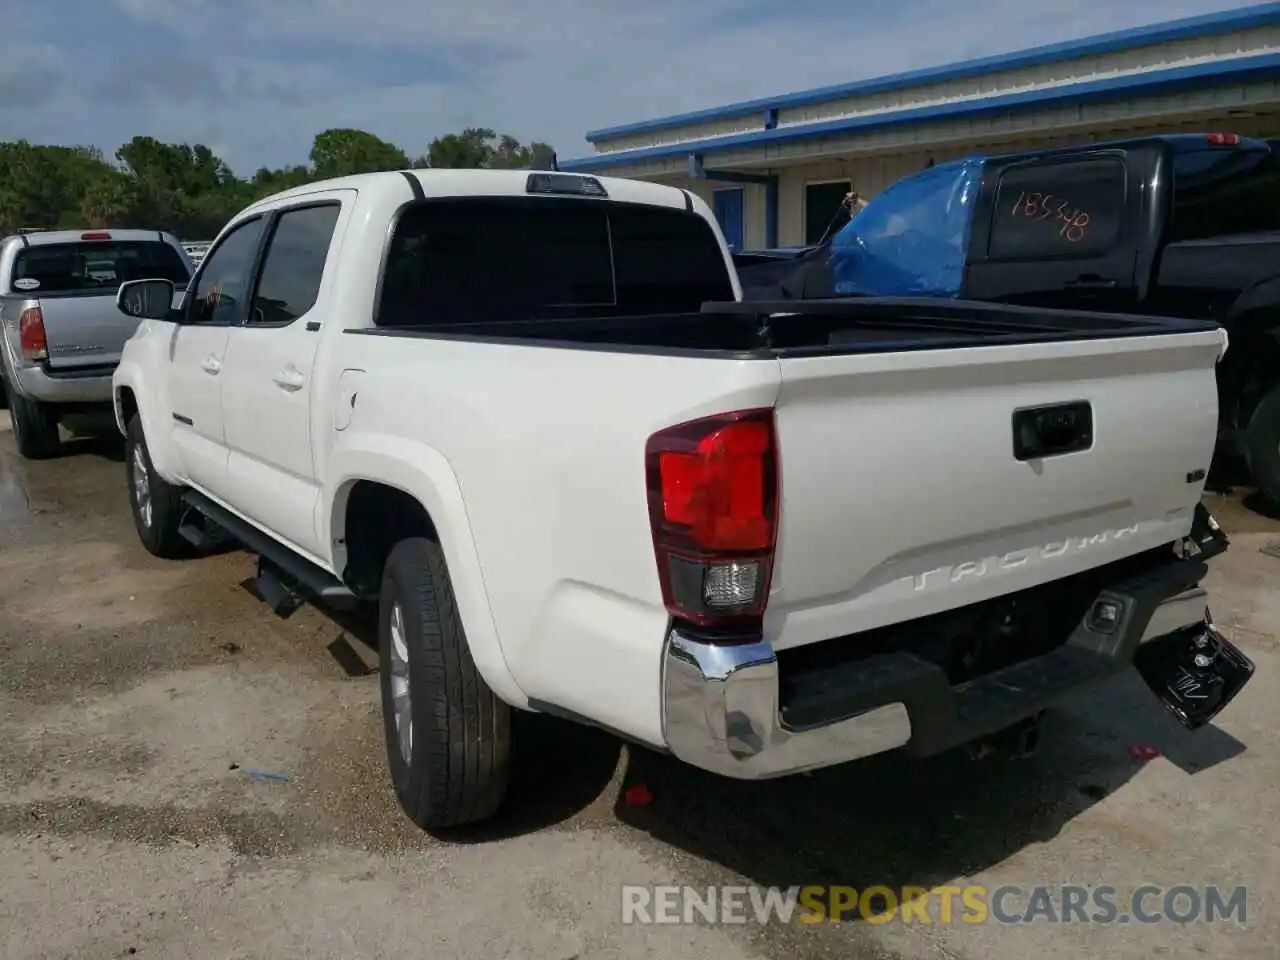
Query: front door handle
point(211, 365)
point(288, 379)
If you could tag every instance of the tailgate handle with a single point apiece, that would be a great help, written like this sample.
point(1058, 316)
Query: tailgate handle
point(1052, 431)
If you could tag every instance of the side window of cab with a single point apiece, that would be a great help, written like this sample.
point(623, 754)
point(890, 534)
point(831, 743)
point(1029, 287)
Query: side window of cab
point(222, 286)
point(293, 268)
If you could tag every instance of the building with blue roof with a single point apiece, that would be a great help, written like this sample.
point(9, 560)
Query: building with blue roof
point(775, 169)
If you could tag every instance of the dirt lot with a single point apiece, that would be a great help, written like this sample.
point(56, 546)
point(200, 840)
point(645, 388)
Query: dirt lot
point(136, 697)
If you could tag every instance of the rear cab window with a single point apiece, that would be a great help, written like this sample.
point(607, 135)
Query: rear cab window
point(1070, 208)
point(473, 260)
point(89, 267)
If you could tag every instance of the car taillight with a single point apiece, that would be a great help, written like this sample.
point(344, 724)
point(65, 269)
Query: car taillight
point(31, 334)
point(713, 510)
point(1224, 139)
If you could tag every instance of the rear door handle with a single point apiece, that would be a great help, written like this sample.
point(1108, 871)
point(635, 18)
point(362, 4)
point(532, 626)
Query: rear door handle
point(1091, 283)
point(212, 365)
point(288, 379)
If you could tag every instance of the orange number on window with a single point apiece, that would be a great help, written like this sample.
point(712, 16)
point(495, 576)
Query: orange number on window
point(1073, 230)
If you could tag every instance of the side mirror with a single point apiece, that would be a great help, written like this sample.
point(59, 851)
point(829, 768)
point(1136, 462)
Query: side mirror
point(146, 299)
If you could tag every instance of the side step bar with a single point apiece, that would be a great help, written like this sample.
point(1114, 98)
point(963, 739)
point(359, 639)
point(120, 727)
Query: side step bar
point(285, 580)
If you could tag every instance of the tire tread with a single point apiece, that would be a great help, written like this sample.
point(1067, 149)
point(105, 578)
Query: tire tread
point(465, 754)
point(36, 428)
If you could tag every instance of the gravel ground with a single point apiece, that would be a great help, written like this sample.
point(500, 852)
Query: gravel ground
point(138, 696)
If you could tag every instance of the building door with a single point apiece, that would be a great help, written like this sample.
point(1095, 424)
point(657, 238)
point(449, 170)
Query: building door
point(728, 206)
point(825, 211)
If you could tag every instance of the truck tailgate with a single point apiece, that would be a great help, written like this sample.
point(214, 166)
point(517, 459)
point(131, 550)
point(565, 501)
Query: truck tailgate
point(902, 495)
point(85, 330)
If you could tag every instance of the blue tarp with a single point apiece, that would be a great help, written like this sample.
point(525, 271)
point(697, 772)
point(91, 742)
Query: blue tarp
point(912, 238)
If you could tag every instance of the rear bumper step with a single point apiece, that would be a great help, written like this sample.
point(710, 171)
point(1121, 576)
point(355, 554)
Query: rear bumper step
point(722, 711)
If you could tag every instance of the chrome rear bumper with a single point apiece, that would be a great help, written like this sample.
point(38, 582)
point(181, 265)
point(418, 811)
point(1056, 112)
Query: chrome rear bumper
point(721, 709)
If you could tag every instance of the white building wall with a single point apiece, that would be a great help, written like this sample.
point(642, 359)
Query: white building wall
point(1182, 53)
point(873, 162)
point(870, 175)
point(1139, 60)
point(1152, 112)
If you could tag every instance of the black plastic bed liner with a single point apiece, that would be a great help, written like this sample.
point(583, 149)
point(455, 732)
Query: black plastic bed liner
point(797, 328)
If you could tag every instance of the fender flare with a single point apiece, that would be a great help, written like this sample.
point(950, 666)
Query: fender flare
point(129, 376)
point(424, 474)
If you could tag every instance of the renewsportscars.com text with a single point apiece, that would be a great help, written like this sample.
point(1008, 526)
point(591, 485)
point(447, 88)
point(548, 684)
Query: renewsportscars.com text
point(971, 904)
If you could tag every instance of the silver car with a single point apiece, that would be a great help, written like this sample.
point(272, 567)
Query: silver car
point(60, 332)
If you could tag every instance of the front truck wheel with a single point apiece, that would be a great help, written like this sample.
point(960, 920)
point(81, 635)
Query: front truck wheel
point(448, 735)
point(156, 504)
point(1262, 441)
point(35, 427)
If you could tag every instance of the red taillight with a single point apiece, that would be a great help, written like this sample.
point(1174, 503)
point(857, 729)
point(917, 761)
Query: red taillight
point(713, 508)
point(96, 235)
point(1224, 139)
point(31, 333)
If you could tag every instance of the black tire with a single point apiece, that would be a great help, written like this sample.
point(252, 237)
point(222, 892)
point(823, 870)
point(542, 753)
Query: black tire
point(35, 428)
point(158, 531)
point(1262, 442)
point(459, 749)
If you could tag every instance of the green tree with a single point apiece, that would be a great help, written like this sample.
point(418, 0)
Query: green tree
point(191, 191)
point(466, 150)
point(342, 152)
point(542, 156)
point(511, 154)
point(109, 200)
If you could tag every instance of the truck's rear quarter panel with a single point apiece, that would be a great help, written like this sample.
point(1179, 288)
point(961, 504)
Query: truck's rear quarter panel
point(548, 447)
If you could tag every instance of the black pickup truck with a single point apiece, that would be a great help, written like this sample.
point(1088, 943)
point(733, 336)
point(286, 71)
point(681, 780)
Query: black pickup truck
point(1185, 225)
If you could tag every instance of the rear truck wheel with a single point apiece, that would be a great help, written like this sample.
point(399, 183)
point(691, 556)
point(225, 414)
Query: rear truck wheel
point(448, 736)
point(156, 504)
point(35, 427)
point(1262, 444)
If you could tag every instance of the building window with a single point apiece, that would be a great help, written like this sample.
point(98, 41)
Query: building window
point(825, 211)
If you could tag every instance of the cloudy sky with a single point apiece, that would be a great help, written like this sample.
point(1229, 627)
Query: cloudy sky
point(256, 79)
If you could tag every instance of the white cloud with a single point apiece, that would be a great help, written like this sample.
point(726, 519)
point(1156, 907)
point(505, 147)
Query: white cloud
point(548, 70)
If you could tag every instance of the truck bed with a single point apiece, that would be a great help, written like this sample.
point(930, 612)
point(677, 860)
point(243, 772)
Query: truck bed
point(770, 330)
point(933, 454)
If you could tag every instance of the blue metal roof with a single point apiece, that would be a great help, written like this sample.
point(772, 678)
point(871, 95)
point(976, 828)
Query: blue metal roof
point(1199, 75)
point(1256, 15)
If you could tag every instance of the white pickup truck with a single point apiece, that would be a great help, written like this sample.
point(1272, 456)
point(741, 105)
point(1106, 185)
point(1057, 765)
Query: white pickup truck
point(524, 414)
